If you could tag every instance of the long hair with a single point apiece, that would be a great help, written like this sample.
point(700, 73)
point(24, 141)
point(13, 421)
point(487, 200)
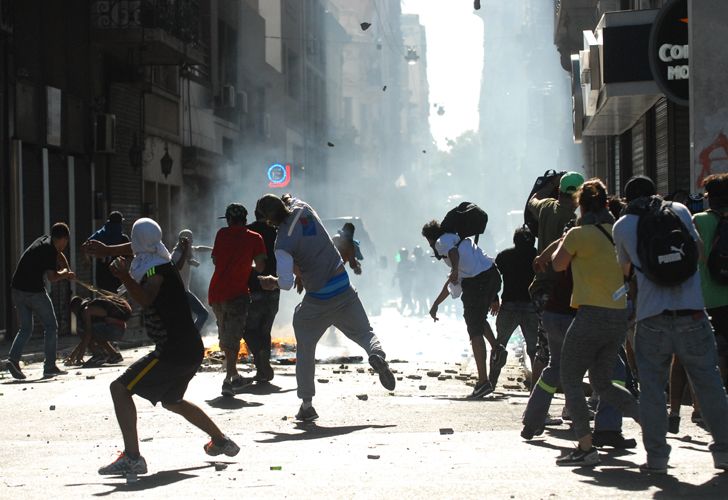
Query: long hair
point(592, 196)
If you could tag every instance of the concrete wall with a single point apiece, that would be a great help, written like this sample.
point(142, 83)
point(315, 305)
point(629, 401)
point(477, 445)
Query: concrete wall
point(708, 88)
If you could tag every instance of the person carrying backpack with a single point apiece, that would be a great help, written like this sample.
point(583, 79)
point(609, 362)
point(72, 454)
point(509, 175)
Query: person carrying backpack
point(670, 317)
point(475, 278)
point(712, 227)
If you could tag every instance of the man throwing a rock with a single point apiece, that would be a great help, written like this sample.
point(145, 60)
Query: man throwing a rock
point(304, 245)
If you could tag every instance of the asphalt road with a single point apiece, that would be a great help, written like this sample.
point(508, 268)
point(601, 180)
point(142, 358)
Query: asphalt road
point(56, 433)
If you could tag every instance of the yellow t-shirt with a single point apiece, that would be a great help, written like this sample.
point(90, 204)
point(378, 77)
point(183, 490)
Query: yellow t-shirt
point(597, 274)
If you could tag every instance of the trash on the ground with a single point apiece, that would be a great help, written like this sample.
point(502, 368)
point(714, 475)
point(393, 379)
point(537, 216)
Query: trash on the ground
point(373, 457)
point(363, 397)
point(414, 377)
point(90, 377)
point(146, 440)
point(360, 370)
point(446, 430)
point(444, 377)
point(284, 418)
point(433, 373)
point(462, 377)
point(511, 386)
point(220, 466)
point(276, 467)
point(423, 387)
point(323, 381)
point(365, 26)
point(52, 407)
point(398, 361)
point(451, 371)
point(400, 378)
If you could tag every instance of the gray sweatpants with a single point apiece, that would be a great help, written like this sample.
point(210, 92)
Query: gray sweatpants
point(592, 343)
point(311, 320)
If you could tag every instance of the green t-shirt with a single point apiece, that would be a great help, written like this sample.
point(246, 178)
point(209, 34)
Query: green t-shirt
point(714, 294)
point(552, 219)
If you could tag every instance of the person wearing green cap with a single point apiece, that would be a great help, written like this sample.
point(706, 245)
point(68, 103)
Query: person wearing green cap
point(553, 215)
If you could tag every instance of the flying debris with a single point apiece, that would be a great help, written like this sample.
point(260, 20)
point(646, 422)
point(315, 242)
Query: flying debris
point(330, 144)
point(440, 111)
point(365, 26)
point(476, 4)
point(384, 89)
point(424, 151)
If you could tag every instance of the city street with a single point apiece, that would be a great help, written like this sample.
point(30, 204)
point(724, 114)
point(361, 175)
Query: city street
point(58, 432)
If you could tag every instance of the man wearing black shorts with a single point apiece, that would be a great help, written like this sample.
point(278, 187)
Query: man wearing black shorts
point(163, 375)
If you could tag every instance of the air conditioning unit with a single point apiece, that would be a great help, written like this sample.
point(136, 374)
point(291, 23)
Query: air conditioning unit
point(105, 133)
point(243, 102)
point(227, 97)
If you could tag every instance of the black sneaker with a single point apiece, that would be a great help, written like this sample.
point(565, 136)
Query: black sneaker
point(527, 433)
point(263, 369)
point(306, 414)
point(579, 458)
point(14, 369)
point(114, 359)
point(53, 371)
point(498, 358)
point(673, 424)
point(234, 386)
point(651, 469)
point(227, 389)
point(386, 377)
point(613, 439)
point(95, 361)
point(481, 390)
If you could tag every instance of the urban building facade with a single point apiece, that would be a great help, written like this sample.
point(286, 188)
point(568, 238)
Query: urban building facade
point(621, 114)
point(172, 109)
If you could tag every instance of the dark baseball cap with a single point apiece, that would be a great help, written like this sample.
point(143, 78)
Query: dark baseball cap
point(116, 217)
point(235, 211)
point(639, 186)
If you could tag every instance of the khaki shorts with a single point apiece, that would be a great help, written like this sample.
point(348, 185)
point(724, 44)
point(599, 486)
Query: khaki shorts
point(231, 318)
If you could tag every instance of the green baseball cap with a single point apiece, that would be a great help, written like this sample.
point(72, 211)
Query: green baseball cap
point(570, 182)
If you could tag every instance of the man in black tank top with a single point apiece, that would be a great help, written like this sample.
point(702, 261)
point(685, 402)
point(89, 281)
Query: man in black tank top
point(162, 375)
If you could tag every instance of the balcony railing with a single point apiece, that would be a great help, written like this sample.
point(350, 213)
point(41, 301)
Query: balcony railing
point(180, 18)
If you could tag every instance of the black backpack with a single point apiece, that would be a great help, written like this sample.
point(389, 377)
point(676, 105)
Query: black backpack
point(718, 256)
point(529, 220)
point(465, 220)
point(666, 249)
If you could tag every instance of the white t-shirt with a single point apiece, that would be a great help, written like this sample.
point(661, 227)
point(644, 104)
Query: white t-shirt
point(186, 272)
point(473, 259)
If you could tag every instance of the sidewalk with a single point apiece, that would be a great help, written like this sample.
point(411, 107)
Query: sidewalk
point(33, 352)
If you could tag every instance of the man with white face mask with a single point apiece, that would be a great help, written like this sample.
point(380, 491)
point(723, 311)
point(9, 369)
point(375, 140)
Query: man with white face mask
point(163, 375)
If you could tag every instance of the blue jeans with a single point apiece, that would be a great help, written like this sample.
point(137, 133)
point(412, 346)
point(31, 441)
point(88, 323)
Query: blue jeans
point(518, 314)
point(199, 310)
point(27, 303)
point(609, 418)
point(539, 402)
point(692, 339)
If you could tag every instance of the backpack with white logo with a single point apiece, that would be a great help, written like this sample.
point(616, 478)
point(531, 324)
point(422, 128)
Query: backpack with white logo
point(718, 256)
point(666, 249)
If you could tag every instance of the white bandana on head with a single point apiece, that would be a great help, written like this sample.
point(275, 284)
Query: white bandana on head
point(149, 251)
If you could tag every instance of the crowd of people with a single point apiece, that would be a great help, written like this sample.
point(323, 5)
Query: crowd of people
point(629, 290)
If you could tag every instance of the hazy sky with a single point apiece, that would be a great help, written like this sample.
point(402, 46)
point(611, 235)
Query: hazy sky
point(454, 63)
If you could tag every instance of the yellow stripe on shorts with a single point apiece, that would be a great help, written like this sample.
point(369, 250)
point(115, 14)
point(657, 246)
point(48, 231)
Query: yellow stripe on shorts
point(141, 374)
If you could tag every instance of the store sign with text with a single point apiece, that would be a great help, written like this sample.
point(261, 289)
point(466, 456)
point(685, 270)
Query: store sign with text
point(669, 51)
